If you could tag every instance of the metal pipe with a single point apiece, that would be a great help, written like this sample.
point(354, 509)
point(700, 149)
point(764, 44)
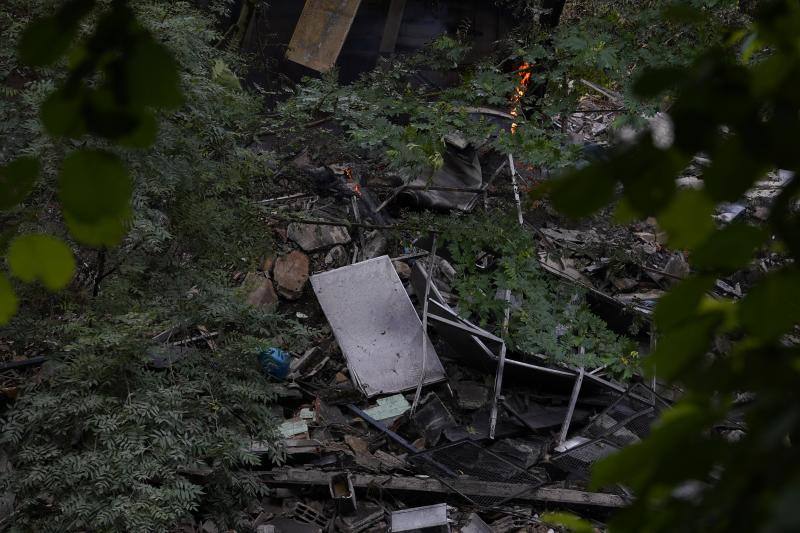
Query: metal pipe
point(428, 281)
point(501, 363)
point(576, 389)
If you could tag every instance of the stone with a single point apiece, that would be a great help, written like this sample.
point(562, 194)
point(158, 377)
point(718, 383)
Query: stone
point(336, 257)
point(268, 264)
point(291, 274)
point(312, 237)
point(259, 289)
point(624, 284)
point(677, 266)
point(403, 270)
point(375, 244)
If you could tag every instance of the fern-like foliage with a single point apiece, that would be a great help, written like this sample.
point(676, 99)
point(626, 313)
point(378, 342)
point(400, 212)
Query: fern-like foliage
point(109, 441)
point(105, 440)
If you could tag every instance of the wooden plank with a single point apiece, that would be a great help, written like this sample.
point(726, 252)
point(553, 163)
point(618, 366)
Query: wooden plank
point(321, 31)
point(392, 28)
point(468, 487)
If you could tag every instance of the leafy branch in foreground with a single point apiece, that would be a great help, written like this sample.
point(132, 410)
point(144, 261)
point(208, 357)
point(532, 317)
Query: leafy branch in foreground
point(116, 76)
point(745, 117)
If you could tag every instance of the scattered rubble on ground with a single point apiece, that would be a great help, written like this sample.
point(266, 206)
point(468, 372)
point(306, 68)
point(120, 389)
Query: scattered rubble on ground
point(390, 429)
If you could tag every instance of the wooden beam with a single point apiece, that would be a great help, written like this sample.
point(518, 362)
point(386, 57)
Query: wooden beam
point(321, 31)
point(392, 28)
point(468, 487)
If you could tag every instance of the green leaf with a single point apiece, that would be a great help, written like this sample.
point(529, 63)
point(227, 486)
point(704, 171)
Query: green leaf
point(733, 170)
point(16, 181)
point(145, 133)
point(683, 14)
point(684, 345)
point(680, 304)
point(104, 232)
point(48, 38)
point(93, 186)
point(648, 174)
point(728, 249)
point(8, 300)
point(568, 521)
point(681, 425)
point(152, 76)
point(61, 114)
point(41, 257)
point(687, 219)
point(105, 117)
point(655, 81)
point(772, 307)
point(584, 191)
point(222, 74)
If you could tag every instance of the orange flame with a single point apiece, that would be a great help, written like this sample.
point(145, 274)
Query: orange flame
point(354, 186)
point(525, 74)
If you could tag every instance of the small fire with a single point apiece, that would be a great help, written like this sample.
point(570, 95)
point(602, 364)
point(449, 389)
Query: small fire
point(525, 74)
point(351, 182)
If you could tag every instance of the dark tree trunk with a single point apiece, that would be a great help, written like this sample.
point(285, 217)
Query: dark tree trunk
point(555, 8)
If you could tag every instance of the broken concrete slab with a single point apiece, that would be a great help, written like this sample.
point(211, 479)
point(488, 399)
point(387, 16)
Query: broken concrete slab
point(524, 453)
point(376, 326)
point(389, 407)
point(259, 290)
point(293, 427)
point(362, 454)
point(313, 237)
point(291, 274)
point(471, 395)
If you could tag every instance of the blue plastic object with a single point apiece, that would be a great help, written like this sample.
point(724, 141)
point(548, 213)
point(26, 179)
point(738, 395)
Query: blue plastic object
point(275, 362)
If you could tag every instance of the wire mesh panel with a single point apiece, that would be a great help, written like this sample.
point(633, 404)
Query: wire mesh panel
point(626, 421)
point(467, 461)
point(579, 460)
point(629, 417)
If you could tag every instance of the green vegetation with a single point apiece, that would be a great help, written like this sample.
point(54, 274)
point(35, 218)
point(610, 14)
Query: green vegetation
point(106, 442)
point(128, 181)
point(552, 317)
point(743, 111)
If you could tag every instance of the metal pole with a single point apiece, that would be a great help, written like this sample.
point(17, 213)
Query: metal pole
point(571, 410)
point(431, 267)
point(501, 363)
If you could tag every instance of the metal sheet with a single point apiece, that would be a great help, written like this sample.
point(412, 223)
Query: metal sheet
point(431, 516)
point(376, 326)
point(321, 32)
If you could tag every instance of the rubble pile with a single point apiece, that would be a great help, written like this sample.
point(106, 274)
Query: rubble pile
point(399, 418)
